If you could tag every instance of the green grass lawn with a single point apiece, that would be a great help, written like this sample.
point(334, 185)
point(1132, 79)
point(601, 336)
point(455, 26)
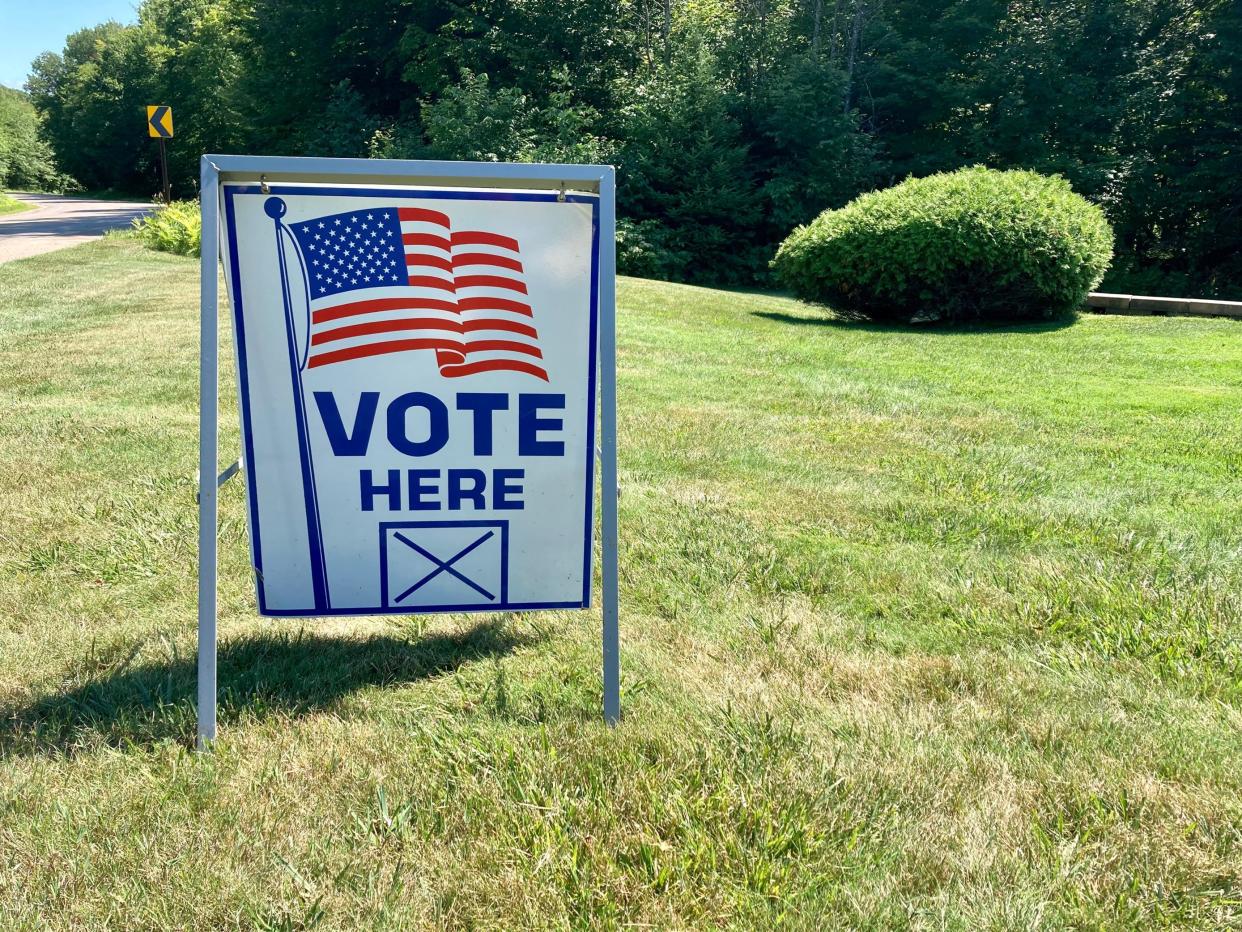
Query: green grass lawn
point(920, 629)
point(11, 205)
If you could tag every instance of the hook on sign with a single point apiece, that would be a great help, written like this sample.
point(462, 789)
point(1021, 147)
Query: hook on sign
point(263, 185)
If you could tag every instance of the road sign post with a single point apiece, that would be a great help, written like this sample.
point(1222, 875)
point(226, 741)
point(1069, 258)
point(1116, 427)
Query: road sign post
point(160, 126)
point(164, 171)
point(421, 350)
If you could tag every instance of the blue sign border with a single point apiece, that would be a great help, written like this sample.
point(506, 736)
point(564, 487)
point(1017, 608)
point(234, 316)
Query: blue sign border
point(230, 192)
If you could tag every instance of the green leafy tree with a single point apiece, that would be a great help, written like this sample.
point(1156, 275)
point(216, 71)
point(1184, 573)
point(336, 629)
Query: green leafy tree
point(685, 173)
point(26, 160)
point(195, 50)
point(93, 99)
point(810, 156)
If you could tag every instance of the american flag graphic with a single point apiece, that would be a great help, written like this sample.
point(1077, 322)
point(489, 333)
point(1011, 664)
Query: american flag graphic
point(394, 279)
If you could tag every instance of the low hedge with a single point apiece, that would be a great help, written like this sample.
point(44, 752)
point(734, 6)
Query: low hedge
point(970, 246)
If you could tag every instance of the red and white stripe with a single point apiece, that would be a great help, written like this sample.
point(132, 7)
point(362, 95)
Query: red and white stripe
point(497, 321)
point(465, 298)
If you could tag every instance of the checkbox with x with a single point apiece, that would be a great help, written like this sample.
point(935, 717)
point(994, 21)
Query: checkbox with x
point(444, 565)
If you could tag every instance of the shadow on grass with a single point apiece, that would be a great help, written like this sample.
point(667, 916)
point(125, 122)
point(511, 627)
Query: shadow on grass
point(264, 676)
point(930, 328)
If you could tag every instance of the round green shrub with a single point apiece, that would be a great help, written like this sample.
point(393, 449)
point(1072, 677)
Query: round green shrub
point(970, 246)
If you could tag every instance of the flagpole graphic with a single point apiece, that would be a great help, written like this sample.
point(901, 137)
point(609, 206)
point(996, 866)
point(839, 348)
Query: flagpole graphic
point(275, 208)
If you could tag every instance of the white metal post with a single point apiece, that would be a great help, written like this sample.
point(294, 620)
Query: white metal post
point(208, 404)
point(608, 442)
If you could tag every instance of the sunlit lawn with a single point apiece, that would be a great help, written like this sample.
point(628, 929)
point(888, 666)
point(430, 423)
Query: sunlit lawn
point(11, 205)
point(920, 629)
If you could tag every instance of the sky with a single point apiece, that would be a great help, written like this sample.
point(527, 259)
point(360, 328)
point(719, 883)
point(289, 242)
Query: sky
point(28, 27)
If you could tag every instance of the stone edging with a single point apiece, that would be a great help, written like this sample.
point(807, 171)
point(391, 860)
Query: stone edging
point(1142, 304)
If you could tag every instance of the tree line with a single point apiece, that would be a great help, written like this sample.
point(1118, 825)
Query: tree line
point(26, 160)
point(730, 121)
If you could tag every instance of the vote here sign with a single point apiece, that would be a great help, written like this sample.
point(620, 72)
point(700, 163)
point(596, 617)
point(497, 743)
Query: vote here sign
point(416, 370)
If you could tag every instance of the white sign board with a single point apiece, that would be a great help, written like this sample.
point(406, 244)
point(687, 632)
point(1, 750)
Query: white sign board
point(416, 370)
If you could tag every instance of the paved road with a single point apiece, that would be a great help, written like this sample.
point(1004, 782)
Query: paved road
point(57, 222)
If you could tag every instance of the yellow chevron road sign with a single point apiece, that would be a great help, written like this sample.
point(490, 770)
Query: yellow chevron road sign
point(159, 122)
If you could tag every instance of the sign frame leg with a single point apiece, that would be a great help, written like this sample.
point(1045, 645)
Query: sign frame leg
point(208, 439)
point(608, 447)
